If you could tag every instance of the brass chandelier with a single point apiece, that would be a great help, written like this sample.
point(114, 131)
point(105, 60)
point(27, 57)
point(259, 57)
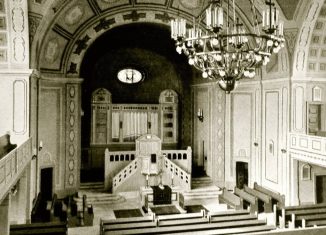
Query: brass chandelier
point(219, 46)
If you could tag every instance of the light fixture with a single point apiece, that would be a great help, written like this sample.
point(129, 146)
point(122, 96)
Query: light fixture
point(40, 146)
point(218, 45)
point(200, 115)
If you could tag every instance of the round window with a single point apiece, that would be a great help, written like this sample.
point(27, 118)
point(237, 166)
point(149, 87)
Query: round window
point(130, 75)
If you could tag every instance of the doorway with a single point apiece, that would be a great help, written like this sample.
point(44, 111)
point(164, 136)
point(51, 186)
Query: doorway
point(46, 183)
point(241, 174)
point(320, 188)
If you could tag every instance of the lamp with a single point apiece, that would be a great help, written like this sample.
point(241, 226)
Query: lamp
point(222, 49)
point(40, 146)
point(200, 115)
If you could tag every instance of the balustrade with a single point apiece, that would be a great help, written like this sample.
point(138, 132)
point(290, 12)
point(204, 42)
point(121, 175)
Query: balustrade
point(12, 165)
point(308, 148)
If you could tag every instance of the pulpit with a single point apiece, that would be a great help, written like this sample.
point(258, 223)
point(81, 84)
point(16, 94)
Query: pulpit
point(162, 195)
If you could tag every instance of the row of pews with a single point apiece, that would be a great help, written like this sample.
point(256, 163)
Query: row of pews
point(257, 199)
point(53, 217)
point(262, 200)
point(47, 217)
point(226, 222)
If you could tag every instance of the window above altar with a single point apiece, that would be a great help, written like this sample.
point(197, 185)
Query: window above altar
point(130, 75)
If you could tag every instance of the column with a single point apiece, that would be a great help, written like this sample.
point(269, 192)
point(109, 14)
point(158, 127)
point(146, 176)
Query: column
point(294, 182)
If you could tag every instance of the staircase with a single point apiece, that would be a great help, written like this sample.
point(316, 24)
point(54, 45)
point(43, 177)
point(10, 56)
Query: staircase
point(92, 186)
point(95, 195)
point(202, 191)
point(201, 182)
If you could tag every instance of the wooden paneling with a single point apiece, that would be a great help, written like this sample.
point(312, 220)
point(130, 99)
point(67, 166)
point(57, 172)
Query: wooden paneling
point(271, 136)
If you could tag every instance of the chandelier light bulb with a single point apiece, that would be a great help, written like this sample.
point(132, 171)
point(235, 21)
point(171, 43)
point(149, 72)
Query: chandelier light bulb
point(214, 41)
point(191, 61)
point(179, 49)
point(252, 74)
point(210, 72)
point(269, 43)
point(282, 45)
point(218, 57)
point(258, 58)
point(189, 43)
point(246, 73)
point(276, 49)
point(205, 74)
point(201, 42)
point(222, 73)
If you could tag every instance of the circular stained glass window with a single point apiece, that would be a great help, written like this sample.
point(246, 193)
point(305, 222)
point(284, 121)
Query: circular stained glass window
point(130, 75)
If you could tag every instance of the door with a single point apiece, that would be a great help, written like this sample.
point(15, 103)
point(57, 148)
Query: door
point(46, 183)
point(321, 188)
point(241, 174)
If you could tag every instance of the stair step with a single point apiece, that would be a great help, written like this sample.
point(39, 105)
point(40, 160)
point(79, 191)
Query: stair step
point(98, 198)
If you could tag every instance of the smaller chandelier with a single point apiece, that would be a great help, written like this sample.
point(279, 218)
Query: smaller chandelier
point(222, 49)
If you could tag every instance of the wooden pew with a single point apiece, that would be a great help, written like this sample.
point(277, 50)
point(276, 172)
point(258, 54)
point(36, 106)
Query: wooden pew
point(252, 200)
point(36, 208)
point(182, 216)
point(106, 223)
point(48, 228)
point(216, 219)
point(231, 200)
point(5, 145)
point(277, 198)
point(311, 220)
point(240, 230)
point(266, 199)
point(290, 213)
point(189, 227)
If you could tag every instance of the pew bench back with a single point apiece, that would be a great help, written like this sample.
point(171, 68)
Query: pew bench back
point(231, 199)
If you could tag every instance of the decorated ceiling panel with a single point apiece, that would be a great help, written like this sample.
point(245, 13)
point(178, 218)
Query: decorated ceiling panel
point(105, 4)
point(53, 53)
point(70, 27)
point(75, 15)
point(317, 49)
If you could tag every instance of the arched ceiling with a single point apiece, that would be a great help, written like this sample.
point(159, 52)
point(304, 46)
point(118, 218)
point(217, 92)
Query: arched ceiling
point(62, 31)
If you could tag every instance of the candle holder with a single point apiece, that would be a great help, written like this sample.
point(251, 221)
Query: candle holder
point(200, 115)
point(147, 181)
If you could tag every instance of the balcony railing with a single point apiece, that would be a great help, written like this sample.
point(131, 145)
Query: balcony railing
point(308, 148)
point(12, 166)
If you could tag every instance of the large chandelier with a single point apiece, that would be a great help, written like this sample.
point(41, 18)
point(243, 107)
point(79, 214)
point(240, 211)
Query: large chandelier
point(221, 48)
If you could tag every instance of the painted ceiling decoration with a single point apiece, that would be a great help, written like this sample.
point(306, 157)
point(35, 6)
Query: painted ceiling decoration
point(61, 31)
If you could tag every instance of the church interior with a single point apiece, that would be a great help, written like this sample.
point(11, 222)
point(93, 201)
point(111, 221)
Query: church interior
point(162, 117)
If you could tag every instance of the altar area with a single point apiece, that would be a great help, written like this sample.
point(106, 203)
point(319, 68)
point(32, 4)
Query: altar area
point(158, 175)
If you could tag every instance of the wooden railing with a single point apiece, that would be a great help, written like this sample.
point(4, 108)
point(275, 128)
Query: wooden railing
point(124, 174)
point(12, 165)
point(180, 165)
point(308, 148)
point(181, 157)
point(180, 176)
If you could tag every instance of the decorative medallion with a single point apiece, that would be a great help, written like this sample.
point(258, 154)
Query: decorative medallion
point(74, 15)
point(72, 135)
point(191, 4)
point(72, 106)
point(51, 51)
point(71, 165)
point(71, 179)
point(72, 91)
point(72, 120)
point(18, 19)
point(19, 49)
point(71, 150)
